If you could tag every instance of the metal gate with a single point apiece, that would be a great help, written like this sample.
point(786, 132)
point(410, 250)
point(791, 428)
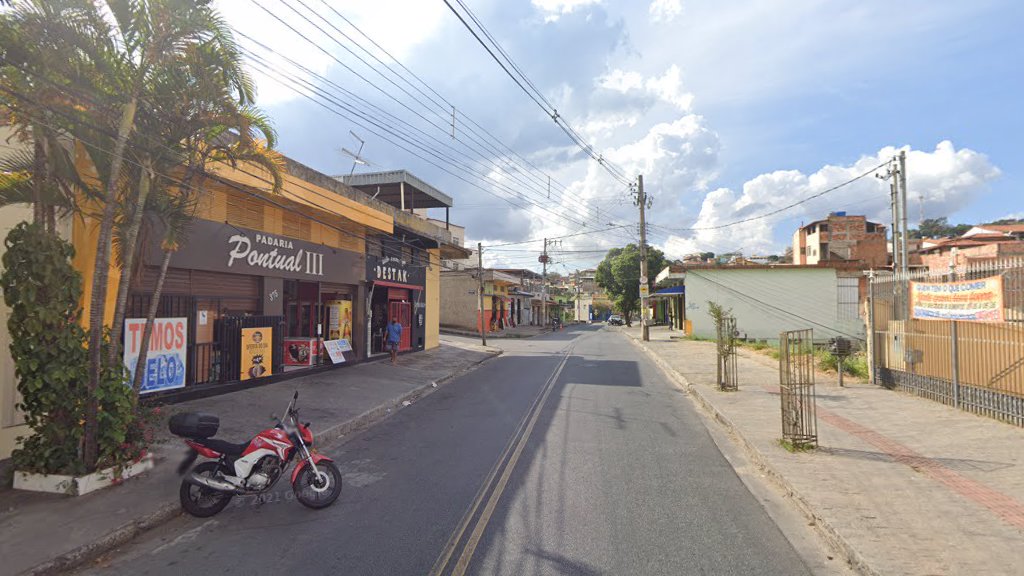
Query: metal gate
point(796, 381)
point(728, 378)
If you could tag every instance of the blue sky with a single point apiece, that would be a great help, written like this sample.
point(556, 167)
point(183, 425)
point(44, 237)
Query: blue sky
point(728, 109)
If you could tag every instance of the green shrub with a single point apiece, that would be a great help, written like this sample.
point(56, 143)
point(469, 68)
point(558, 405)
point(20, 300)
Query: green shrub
point(48, 343)
point(854, 365)
point(47, 346)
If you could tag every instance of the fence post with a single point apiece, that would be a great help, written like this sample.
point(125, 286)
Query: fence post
point(953, 344)
point(871, 327)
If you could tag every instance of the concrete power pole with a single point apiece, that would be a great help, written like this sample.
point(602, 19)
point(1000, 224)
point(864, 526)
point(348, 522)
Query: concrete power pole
point(544, 287)
point(642, 202)
point(480, 289)
point(904, 257)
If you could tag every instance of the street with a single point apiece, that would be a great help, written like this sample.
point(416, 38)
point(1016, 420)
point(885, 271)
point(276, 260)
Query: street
point(570, 454)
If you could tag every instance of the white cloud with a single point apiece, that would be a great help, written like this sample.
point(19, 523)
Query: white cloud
point(419, 21)
point(946, 178)
point(667, 87)
point(665, 10)
point(553, 9)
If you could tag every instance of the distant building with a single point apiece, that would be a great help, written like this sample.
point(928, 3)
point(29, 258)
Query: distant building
point(843, 238)
point(983, 243)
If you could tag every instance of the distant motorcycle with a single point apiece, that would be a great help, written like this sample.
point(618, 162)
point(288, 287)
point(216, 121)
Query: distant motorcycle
point(251, 467)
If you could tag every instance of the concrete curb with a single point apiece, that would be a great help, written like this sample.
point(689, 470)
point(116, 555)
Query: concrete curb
point(492, 336)
point(836, 541)
point(169, 511)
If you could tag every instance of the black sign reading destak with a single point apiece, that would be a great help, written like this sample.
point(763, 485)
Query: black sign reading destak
point(224, 248)
point(395, 271)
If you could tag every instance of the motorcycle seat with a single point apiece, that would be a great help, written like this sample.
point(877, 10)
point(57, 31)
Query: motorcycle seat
point(223, 446)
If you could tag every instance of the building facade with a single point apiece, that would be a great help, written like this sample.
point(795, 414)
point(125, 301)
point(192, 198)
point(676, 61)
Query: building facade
point(841, 238)
point(767, 300)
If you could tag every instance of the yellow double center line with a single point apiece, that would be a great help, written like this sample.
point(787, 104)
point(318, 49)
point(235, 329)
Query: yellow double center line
point(493, 487)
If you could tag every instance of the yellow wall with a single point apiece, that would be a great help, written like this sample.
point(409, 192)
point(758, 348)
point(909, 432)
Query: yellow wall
point(310, 194)
point(433, 301)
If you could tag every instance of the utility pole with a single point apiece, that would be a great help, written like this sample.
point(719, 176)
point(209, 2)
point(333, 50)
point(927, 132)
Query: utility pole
point(544, 286)
point(641, 200)
point(480, 288)
point(904, 258)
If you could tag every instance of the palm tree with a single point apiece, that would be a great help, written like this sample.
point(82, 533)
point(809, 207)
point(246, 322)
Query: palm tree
point(175, 206)
point(202, 89)
point(133, 81)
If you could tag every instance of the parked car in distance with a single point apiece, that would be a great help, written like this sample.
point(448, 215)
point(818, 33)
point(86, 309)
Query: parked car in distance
point(615, 320)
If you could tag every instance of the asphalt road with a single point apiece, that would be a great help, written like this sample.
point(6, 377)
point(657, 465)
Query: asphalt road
point(569, 454)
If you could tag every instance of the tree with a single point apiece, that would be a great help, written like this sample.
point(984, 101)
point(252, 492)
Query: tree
point(705, 256)
point(144, 86)
point(619, 275)
point(938, 228)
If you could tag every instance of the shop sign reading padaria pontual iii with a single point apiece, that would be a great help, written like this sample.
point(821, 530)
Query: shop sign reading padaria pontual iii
point(394, 270)
point(219, 247)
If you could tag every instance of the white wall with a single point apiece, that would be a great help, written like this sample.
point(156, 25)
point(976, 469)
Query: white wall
point(766, 302)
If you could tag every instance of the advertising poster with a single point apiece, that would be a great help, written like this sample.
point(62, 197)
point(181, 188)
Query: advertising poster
point(300, 351)
point(333, 319)
point(969, 300)
point(339, 320)
point(257, 352)
point(168, 352)
point(346, 319)
point(336, 349)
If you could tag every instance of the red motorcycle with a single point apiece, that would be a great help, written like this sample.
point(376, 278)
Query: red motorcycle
point(253, 467)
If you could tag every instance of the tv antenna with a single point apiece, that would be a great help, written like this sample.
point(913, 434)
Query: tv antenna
point(356, 156)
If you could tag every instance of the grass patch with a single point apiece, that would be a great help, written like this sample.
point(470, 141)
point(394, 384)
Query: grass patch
point(855, 365)
point(762, 347)
point(794, 448)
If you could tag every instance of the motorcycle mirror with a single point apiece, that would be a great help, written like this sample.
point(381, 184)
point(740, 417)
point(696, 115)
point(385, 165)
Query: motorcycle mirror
point(296, 395)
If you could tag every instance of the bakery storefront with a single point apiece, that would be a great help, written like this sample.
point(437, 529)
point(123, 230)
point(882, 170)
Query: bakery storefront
point(258, 304)
point(397, 290)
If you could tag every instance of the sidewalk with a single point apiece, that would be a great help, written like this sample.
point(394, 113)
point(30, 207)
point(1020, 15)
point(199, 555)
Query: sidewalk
point(42, 533)
point(521, 331)
point(898, 485)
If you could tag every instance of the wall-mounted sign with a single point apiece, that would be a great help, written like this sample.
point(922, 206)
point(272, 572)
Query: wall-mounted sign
point(221, 247)
point(257, 352)
point(394, 271)
point(968, 300)
point(167, 357)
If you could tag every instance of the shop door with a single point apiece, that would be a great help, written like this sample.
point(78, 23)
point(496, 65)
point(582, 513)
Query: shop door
point(403, 311)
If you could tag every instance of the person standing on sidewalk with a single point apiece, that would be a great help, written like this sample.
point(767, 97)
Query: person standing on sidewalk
point(394, 337)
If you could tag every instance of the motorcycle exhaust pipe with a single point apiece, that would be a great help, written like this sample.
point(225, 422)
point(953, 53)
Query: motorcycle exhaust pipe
point(213, 484)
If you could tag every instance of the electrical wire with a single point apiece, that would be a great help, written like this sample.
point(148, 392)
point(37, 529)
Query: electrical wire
point(546, 106)
point(763, 303)
point(579, 223)
point(782, 209)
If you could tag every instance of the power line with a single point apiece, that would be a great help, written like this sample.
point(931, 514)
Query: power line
point(548, 109)
point(763, 303)
point(384, 247)
point(579, 223)
point(784, 208)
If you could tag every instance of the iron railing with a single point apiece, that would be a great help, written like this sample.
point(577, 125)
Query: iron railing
point(977, 366)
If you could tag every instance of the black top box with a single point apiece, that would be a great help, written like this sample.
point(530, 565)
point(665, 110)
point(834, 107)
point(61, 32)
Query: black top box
point(194, 425)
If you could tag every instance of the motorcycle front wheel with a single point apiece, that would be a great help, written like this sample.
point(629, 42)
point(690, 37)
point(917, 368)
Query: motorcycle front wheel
point(200, 501)
point(318, 489)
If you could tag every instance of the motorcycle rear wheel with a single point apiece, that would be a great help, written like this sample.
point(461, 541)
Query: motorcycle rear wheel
point(318, 491)
point(200, 501)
